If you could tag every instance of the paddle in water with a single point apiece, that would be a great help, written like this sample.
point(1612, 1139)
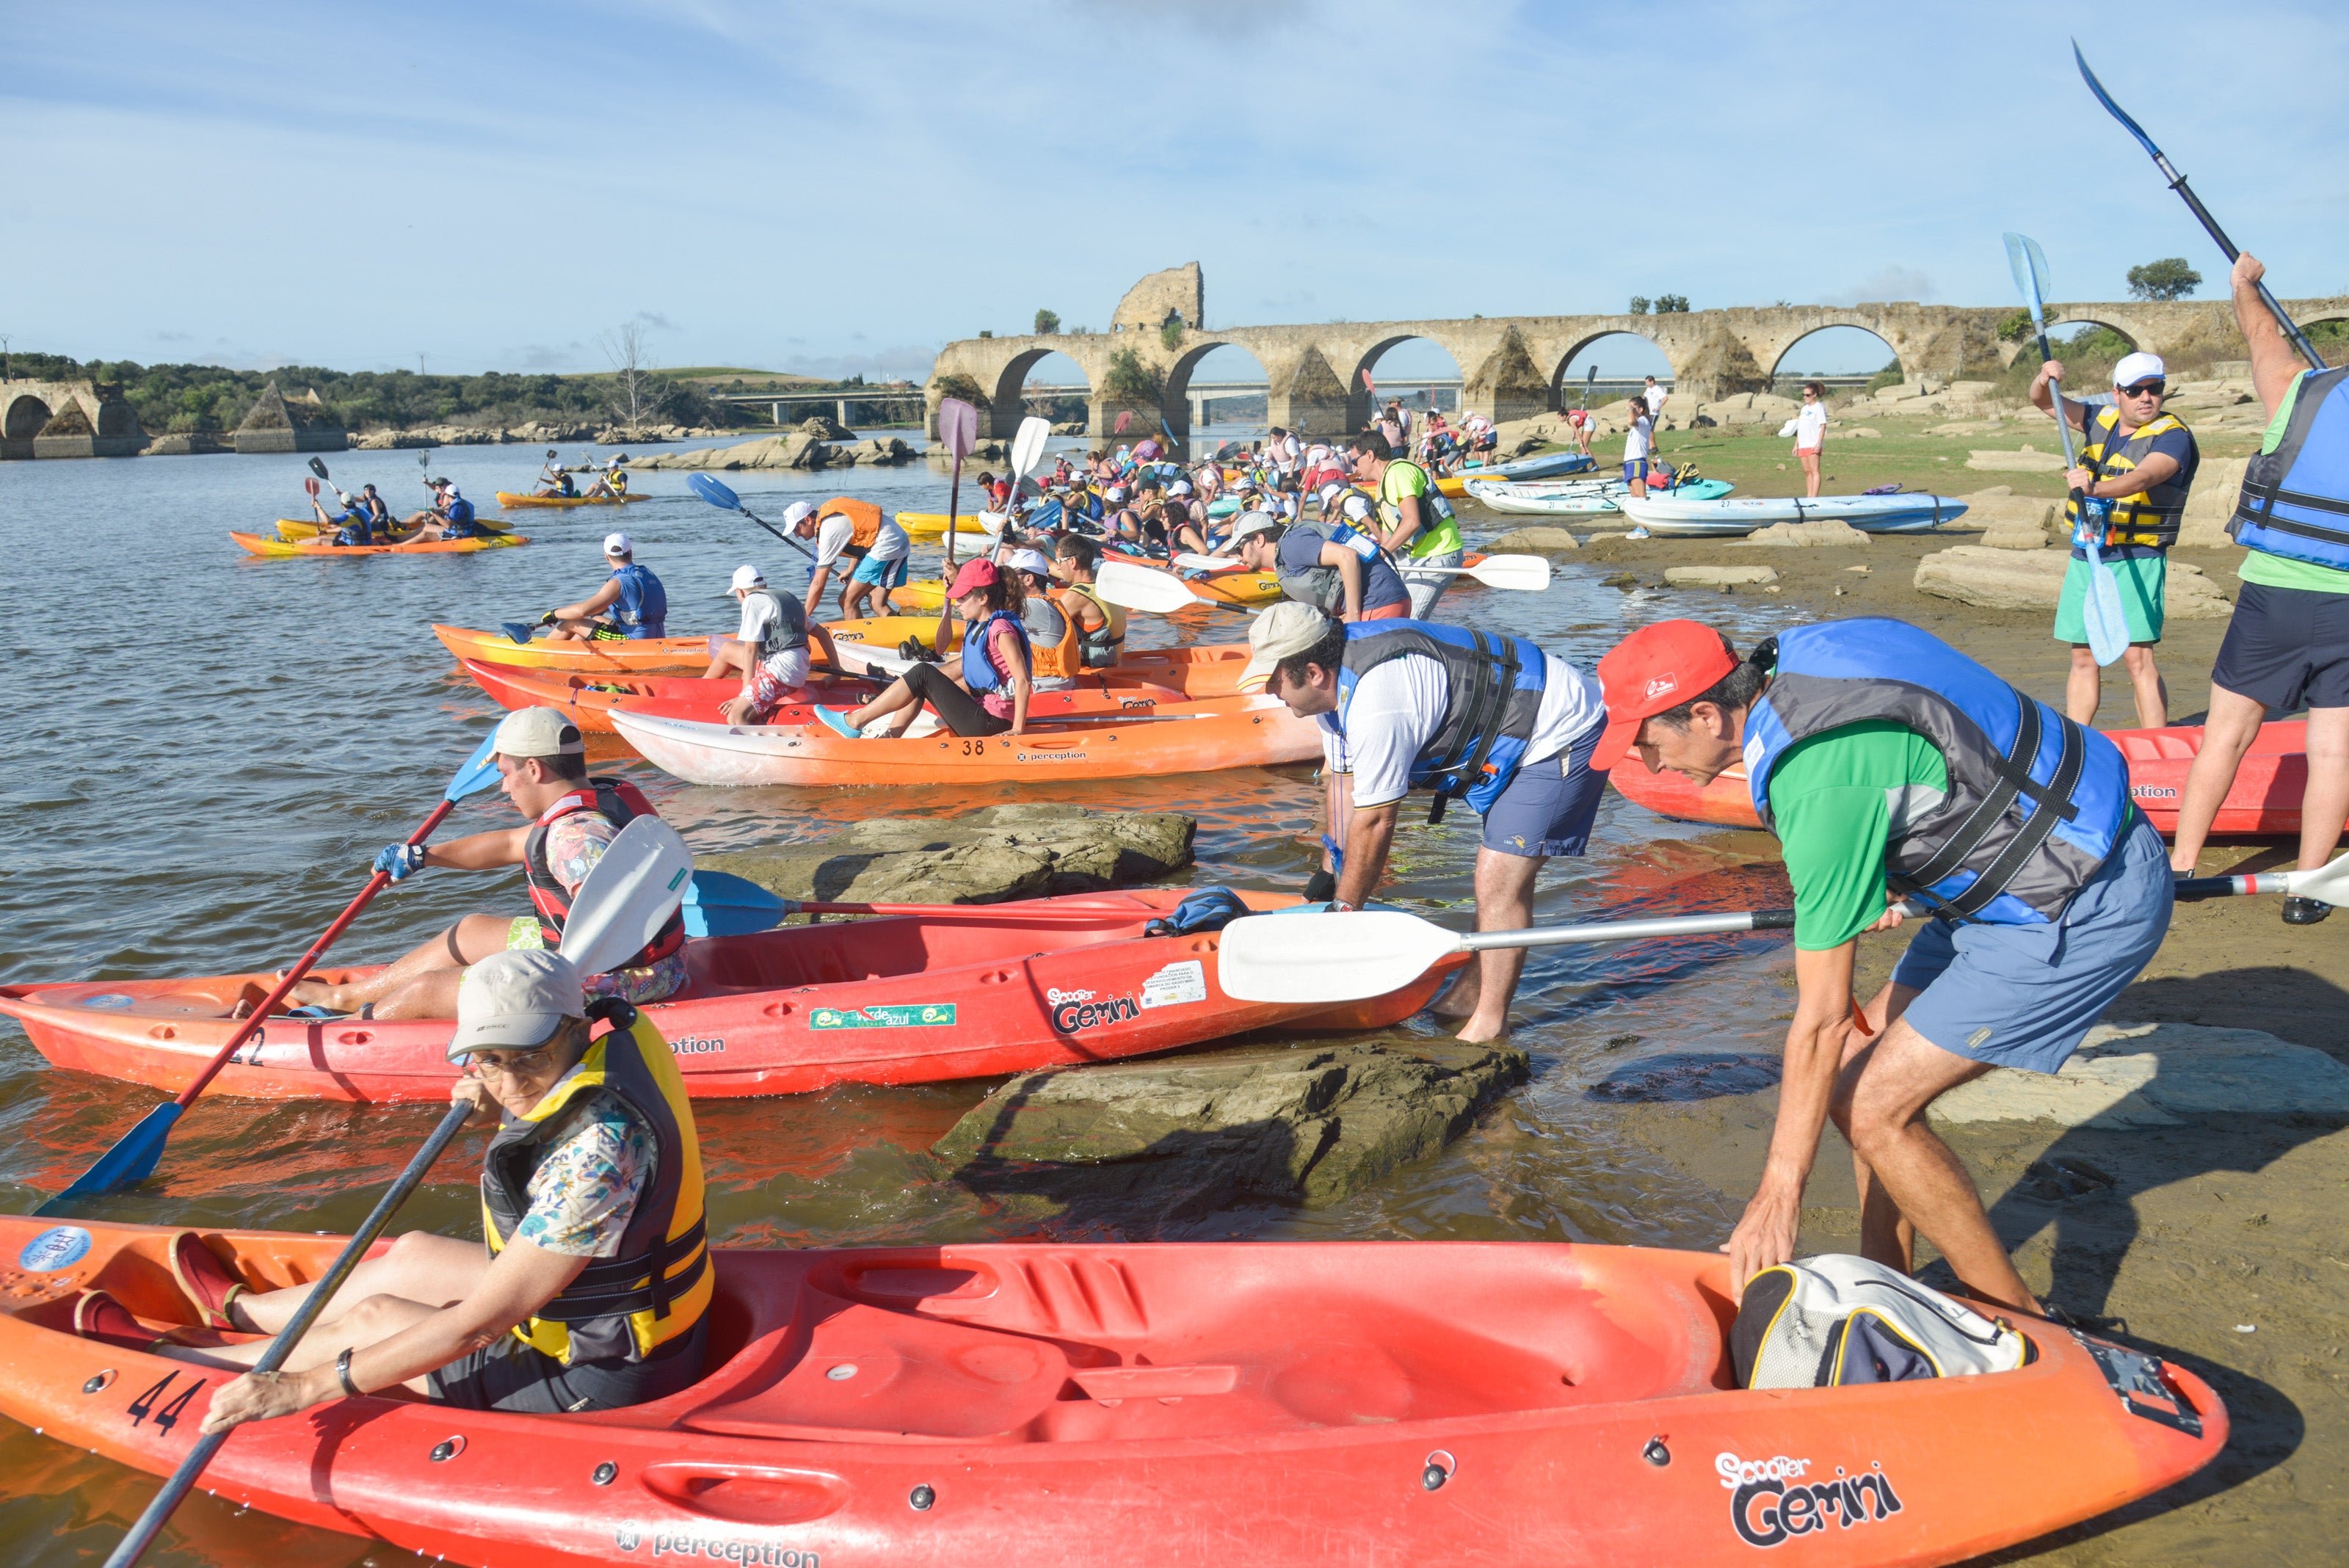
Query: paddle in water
point(624, 901)
point(2107, 620)
point(133, 1158)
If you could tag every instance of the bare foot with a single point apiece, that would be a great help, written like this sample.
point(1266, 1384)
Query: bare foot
point(1477, 1032)
point(316, 994)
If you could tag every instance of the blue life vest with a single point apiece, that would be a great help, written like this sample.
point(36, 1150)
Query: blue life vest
point(355, 528)
point(978, 671)
point(2296, 500)
point(2035, 802)
point(643, 608)
point(460, 524)
point(1495, 694)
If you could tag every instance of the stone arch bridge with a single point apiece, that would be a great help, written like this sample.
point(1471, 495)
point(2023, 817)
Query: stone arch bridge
point(107, 425)
point(1511, 367)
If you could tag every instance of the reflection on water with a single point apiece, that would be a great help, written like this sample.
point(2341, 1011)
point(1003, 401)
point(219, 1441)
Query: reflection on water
point(211, 748)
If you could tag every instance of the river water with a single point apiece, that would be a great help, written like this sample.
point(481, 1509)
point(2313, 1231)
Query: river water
point(211, 748)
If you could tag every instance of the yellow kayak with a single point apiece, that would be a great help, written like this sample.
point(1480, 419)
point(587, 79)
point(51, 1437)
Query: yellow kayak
point(933, 526)
point(508, 498)
point(255, 544)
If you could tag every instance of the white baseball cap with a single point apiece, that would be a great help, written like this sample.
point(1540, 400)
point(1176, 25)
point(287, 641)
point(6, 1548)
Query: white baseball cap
point(747, 577)
point(1330, 492)
point(1030, 561)
point(2139, 367)
point(1245, 482)
point(618, 544)
point(1357, 507)
point(1114, 492)
point(1249, 522)
point(1284, 631)
point(539, 732)
point(1180, 487)
point(797, 513)
point(513, 1001)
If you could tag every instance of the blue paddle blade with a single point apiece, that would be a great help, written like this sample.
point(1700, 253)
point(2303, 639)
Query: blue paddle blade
point(2115, 110)
point(719, 905)
point(479, 771)
point(2106, 619)
point(517, 630)
point(2029, 269)
point(716, 494)
point(130, 1161)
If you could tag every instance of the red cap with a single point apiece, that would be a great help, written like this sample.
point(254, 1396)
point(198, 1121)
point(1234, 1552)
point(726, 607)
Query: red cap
point(1655, 669)
point(978, 573)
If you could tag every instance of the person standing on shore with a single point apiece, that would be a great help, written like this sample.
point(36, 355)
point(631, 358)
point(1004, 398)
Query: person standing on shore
point(1415, 520)
point(1655, 397)
point(1578, 420)
point(2287, 643)
point(1811, 433)
point(2136, 464)
point(1639, 445)
point(2049, 893)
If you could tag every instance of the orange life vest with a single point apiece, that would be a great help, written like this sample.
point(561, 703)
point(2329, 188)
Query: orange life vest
point(864, 520)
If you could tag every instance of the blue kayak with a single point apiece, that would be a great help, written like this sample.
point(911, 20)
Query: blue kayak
point(1546, 465)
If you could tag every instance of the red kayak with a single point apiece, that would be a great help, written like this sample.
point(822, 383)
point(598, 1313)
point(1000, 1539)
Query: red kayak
point(902, 999)
point(2264, 801)
point(1245, 1405)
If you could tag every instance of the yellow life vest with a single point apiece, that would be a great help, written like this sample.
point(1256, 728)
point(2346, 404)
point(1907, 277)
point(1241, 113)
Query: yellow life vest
point(2150, 517)
point(1103, 645)
point(660, 1283)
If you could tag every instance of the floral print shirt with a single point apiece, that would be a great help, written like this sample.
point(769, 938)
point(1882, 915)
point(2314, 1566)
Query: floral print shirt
point(585, 1190)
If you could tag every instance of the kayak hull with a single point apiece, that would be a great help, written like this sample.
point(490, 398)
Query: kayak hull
point(2264, 802)
point(1575, 497)
point(580, 657)
point(933, 526)
point(894, 1000)
point(1222, 587)
point(1195, 670)
point(1743, 515)
point(588, 700)
point(1547, 465)
point(256, 544)
point(508, 498)
point(1205, 735)
point(1382, 1403)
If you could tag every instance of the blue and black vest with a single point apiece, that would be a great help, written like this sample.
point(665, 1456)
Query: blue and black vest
point(1496, 691)
point(1322, 587)
point(2296, 500)
point(460, 524)
point(2035, 802)
point(643, 606)
point(978, 671)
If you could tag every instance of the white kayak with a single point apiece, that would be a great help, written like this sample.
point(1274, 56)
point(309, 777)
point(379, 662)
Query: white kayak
point(1744, 514)
point(1577, 497)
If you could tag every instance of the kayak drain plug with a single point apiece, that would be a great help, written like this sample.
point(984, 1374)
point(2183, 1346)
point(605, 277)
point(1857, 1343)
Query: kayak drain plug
point(1440, 1466)
point(1656, 1454)
point(605, 1473)
point(922, 1499)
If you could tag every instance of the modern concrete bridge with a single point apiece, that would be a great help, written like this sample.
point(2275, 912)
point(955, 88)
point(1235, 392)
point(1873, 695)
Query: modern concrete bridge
point(1513, 367)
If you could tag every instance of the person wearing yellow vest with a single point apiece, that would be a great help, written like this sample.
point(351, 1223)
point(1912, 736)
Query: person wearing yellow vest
point(594, 1290)
point(2136, 464)
point(1416, 521)
point(1101, 625)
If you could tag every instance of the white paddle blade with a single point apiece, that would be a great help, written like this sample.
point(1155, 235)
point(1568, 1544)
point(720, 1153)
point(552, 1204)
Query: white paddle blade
point(628, 898)
point(2106, 618)
point(1028, 446)
point(2327, 883)
point(1527, 574)
point(1206, 563)
point(1343, 956)
point(1139, 588)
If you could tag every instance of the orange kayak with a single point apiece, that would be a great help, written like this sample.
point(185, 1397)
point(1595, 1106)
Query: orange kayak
point(579, 658)
point(1198, 736)
point(2264, 802)
point(1055, 1404)
point(257, 545)
point(507, 498)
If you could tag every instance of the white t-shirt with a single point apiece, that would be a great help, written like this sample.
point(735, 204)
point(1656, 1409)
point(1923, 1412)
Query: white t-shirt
point(1637, 444)
point(1655, 397)
point(1810, 425)
point(833, 535)
point(789, 665)
point(1476, 425)
point(1397, 708)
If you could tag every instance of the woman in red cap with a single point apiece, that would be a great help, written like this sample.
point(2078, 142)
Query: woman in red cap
point(982, 691)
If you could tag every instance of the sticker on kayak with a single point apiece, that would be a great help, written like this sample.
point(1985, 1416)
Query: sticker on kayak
point(1177, 983)
point(110, 999)
point(59, 1247)
point(1079, 1010)
point(1770, 1502)
point(910, 1015)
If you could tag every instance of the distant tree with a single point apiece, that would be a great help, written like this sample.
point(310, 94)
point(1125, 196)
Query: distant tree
point(1672, 304)
point(1129, 380)
point(1638, 305)
point(986, 332)
point(2169, 278)
point(2016, 327)
point(1048, 322)
point(638, 392)
point(956, 384)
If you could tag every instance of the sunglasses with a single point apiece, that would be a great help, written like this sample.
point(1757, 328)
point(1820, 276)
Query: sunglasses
point(2145, 390)
point(521, 1065)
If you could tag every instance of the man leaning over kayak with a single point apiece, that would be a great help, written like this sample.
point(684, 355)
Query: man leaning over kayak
point(573, 818)
point(1407, 705)
point(1943, 784)
point(594, 1290)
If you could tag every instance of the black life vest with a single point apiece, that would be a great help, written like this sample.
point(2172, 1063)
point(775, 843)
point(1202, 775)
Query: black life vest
point(619, 802)
point(1496, 687)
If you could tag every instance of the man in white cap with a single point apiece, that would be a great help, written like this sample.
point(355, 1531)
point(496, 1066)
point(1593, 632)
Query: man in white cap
point(875, 549)
point(573, 820)
point(451, 516)
point(769, 650)
point(2136, 465)
point(1338, 569)
point(1409, 705)
point(611, 484)
point(631, 604)
point(594, 1288)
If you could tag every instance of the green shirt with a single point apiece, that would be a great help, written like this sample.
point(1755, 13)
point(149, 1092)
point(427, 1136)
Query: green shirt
point(1836, 798)
point(2275, 571)
point(1437, 531)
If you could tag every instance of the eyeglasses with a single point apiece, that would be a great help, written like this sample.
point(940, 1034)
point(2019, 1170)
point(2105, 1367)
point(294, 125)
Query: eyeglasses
point(2145, 390)
point(521, 1065)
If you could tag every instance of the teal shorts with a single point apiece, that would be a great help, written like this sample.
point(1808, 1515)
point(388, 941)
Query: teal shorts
point(2141, 579)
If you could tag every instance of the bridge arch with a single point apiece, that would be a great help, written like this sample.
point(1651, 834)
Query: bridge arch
point(1844, 341)
point(1360, 405)
point(1008, 395)
point(1179, 407)
point(1642, 356)
point(27, 413)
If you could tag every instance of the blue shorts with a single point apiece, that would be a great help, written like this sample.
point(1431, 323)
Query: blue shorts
point(1548, 807)
point(1635, 469)
point(2025, 996)
point(882, 575)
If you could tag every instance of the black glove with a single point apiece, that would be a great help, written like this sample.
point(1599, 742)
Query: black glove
point(1321, 888)
point(549, 619)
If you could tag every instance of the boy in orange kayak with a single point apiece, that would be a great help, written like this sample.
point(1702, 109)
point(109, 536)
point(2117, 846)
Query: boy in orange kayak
point(594, 1287)
point(631, 604)
point(573, 820)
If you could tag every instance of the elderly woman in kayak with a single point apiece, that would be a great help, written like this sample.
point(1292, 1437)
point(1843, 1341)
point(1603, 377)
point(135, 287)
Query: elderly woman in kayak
point(573, 820)
point(983, 690)
point(593, 1289)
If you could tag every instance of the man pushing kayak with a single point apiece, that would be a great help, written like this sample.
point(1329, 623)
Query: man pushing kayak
point(593, 1289)
point(1407, 705)
point(1332, 566)
point(631, 604)
point(573, 818)
point(1892, 765)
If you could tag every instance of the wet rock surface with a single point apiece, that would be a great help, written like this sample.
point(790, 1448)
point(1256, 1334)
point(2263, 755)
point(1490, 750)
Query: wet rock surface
point(996, 853)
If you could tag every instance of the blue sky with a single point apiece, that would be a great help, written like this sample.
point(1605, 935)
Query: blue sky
point(839, 189)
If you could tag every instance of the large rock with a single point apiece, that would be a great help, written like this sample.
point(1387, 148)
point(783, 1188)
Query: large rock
point(2217, 484)
point(883, 452)
point(823, 427)
point(1718, 576)
point(2011, 521)
point(2033, 580)
point(798, 449)
point(996, 853)
point(2128, 1077)
point(1821, 530)
point(1183, 1137)
point(1535, 539)
point(2023, 461)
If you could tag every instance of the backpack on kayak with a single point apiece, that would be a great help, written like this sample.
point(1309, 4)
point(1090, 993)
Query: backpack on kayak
point(1834, 1321)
